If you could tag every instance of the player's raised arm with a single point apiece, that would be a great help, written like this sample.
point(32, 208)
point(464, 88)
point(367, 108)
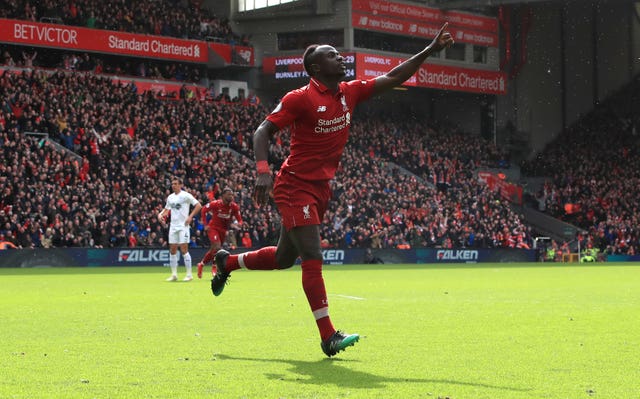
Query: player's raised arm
point(404, 71)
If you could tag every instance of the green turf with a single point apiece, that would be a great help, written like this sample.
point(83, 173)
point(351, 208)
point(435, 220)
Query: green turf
point(496, 331)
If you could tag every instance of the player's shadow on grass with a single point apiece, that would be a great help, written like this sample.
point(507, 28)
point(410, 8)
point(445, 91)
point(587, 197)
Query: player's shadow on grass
point(331, 371)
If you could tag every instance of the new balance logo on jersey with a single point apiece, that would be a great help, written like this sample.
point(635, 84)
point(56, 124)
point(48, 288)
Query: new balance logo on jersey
point(305, 210)
point(322, 108)
point(277, 109)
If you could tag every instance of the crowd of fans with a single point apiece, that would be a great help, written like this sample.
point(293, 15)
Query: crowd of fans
point(175, 18)
point(442, 204)
point(594, 175)
point(17, 56)
point(125, 146)
point(129, 144)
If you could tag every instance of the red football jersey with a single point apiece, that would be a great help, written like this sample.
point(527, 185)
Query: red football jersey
point(320, 122)
point(221, 214)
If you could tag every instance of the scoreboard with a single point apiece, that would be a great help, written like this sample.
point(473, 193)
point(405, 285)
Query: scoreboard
point(292, 67)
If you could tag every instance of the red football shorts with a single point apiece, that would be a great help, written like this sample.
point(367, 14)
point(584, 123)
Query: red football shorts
point(216, 235)
point(300, 202)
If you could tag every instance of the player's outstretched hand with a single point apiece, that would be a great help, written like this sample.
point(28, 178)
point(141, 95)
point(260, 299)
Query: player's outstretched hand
point(443, 39)
point(263, 189)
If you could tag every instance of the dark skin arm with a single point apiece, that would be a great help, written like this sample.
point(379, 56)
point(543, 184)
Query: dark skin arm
point(404, 71)
point(264, 182)
point(393, 78)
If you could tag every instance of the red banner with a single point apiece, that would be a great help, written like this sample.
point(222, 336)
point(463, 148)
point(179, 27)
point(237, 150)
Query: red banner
point(421, 15)
point(243, 55)
point(412, 28)
point(238, 55)
point(434, 76)
point(509, 191)
point(223, 50)
point(473, 21)
point(101, 41)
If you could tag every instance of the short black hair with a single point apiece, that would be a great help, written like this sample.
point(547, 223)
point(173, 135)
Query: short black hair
point(224, 190)
point(307, 58)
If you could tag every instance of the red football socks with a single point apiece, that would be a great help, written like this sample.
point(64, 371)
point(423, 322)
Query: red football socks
point(208, 257)
point(312, 282)
point(262, 259)
point(314, 289)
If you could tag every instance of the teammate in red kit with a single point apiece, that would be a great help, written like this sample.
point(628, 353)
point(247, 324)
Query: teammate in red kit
point(319, 115)
point(223, 211)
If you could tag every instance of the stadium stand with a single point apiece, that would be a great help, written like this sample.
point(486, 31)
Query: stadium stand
point(172, 18)
point(593, 174)
point(109, 196)
point(100, 64)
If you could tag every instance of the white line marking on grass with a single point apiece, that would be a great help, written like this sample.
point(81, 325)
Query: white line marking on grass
point(356, 298)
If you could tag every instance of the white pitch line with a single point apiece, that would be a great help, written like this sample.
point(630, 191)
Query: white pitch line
point(357, 298)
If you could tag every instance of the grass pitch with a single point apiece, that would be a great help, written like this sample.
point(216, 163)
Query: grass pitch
point(478, 331)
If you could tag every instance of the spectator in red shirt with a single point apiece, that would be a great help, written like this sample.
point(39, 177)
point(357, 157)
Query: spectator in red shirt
point(246, 240)
point(133, 240)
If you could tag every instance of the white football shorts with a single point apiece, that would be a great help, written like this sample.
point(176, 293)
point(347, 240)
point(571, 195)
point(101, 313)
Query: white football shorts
point(179, 234)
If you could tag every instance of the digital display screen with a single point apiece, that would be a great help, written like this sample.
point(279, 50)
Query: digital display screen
point(291, 67)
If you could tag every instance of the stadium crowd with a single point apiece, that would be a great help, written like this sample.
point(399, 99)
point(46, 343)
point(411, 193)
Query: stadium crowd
point(594, 175)
point(129, 144)
point(441, 204)
point(174, 18)
point(124, 146)
point(16, 56)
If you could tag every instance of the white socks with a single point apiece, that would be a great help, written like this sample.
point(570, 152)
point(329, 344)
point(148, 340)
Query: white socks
point(187, 263)
point(173, 264)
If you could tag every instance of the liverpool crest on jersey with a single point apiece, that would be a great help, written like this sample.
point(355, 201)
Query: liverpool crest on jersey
point(344, 103)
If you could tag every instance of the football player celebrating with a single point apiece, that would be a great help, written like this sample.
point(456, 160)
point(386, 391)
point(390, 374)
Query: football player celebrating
point(223, 211)
point(319, 116)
